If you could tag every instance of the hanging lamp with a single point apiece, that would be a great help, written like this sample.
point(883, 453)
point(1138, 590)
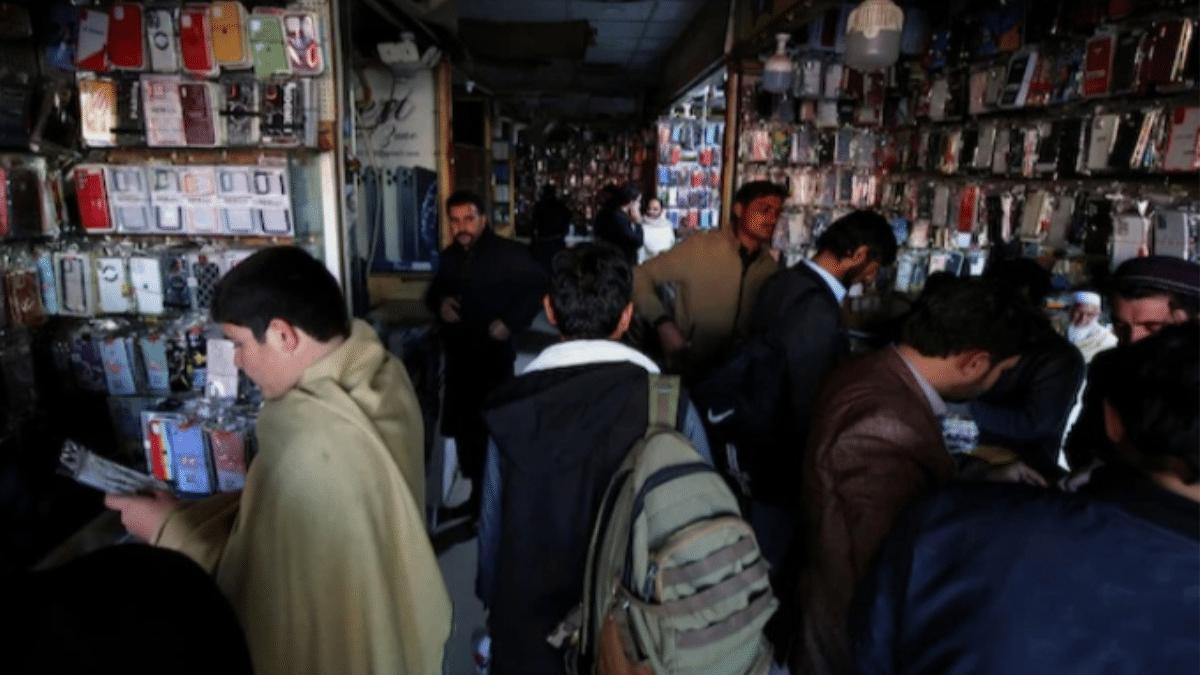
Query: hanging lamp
point(779, 71)
point(873, 35)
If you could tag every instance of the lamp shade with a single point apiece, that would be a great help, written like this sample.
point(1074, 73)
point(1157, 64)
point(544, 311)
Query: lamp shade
point(873, 35)
point(779, 71)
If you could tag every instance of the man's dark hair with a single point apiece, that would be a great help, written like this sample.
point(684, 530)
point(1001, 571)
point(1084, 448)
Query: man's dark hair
point(282, 282)
point(860, 228)
point(465, 197)
point(971, 314)
point(758, 188)
point(1154, 387)
point(590, 286)
point(1190, 304)
point(1024, 276)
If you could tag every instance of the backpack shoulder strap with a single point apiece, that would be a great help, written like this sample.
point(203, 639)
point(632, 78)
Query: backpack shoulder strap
point(663, 408)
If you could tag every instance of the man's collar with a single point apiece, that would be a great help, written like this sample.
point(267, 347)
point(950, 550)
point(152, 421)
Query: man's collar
point(936, 402)
point(580, 352)
point(839, 290)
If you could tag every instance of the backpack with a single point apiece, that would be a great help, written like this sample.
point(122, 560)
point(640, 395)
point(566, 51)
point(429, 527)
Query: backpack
point(674, 581)
point(740, 404)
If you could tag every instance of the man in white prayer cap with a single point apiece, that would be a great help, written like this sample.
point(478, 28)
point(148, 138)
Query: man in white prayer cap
point(1084, 330)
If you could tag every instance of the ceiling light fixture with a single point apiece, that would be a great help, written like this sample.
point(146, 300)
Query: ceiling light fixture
point(873, 35)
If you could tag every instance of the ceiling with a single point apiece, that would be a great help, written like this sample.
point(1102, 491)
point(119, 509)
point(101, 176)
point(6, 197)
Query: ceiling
point(569, 58)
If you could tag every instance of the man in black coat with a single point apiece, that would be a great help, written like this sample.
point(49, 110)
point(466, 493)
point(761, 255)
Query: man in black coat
point(486, 290)
point(619, 221)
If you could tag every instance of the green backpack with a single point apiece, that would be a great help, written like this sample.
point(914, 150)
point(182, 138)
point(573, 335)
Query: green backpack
point(674, 581)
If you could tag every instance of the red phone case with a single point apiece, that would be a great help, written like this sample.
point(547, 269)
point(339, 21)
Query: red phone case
point(1097, 65)
point(199, 127)
point(93, 201)
point(126, 36)
point(195, 42)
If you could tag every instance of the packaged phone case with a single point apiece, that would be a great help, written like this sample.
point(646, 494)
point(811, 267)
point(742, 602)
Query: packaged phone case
point(24, 297)
point(200, 199)
point(128, 198)
point(287, 120)
point(146, 275)
point(98, 111)
point(74, 283)
point(153, 350)
point(270, 52)
point(24, 202)
point(166, 198)
point(198, 100)
point(92, 470)
point(113, 290)
point(234, 200)
point(240, 110)
point(195, 41)
point(303, 38)
point(192, 464)
point(229, 44)
point(91, 47)
point(116, 351)
point(126, 36)
point(161, 39)
point(163, 111)
point(130, 129)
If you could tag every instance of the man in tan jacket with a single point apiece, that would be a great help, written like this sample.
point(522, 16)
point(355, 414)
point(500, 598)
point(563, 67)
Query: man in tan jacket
point(717, 275)
point(324, 554)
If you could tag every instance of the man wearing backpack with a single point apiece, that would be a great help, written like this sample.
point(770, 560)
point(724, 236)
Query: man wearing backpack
point(558, 433)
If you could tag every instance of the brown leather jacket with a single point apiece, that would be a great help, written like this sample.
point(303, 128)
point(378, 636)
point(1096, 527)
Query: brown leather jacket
point(875, 448)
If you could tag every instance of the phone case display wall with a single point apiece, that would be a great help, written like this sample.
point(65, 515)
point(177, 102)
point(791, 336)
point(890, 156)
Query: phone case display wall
point(579, 165)
point(1039, 129)
point(198, 75)
point(688, 179)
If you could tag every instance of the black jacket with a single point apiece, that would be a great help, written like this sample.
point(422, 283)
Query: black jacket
point(495, 279)
point(614, 226)
point(1027, 409)
point(798, 312)
point(561, 435)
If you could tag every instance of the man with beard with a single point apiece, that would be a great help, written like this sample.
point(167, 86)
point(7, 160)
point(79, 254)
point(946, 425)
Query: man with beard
point(487, 289)
point(1084, 329)
point(876, 447)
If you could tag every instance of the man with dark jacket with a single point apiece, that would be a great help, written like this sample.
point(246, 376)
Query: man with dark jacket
point(876, 447)
point(551, 220)
point(1026, 412)
point(558, 433)
point(487, 289)
point(1147, 295)
point(995, 580)
point(619, 221)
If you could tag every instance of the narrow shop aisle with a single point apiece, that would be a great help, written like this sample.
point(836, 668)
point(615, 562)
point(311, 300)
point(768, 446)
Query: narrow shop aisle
point(458, 555)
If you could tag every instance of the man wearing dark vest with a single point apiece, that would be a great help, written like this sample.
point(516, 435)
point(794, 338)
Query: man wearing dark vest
point(558, 433)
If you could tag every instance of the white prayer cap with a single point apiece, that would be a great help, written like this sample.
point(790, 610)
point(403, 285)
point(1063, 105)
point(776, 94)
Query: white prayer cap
point(1086, 298)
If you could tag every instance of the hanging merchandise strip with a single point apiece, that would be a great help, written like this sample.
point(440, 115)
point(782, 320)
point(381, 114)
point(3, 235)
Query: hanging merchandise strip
point(1080, 143)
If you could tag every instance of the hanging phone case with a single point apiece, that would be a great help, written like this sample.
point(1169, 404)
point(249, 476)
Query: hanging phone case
point(229, 45)
point(1180, 154)
point(118, 366)
point(175, 281)
point(129, 198)
point(126, 36)
point(199, 114)
point(284, 105)
point(240, 110)
point(91, 51)
point(146, 275)
point(166, 198)
point(161, 39)
point(270, 52)
point(195, 41)
point(234, 200)
point(163, 111)
point(24, 297)
point(229, 458)
point(98, 111)
point(200, 199)
point(74, 276)
point(192, 469)
point(24, 202)
point(158, 449)
point(302, 34)
point(113, 290)
point(1021, 70)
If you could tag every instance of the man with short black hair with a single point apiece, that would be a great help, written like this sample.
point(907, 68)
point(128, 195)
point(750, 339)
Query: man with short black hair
point(1148, 294)
point(324, 553)
point(558, 434)
point(995, 580)
point(619, 221)
point(876, 446)
point(487, 289)
point(717, 275)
